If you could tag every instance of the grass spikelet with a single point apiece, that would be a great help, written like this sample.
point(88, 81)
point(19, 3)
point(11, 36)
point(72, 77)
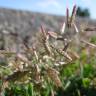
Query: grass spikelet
point(22, 58)
point(43, 32)
point(45, 41)
point(52, 34)
point(52, 73)
point(73, 15)
point(73, 55)
point(37, 73)
point(47, 47)
point(67, 17)
point(35, 53)
point(63, 53)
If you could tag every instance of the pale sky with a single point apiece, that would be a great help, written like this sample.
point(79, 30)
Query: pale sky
point(57, 7)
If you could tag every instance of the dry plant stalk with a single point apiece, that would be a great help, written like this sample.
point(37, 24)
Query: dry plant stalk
point(52, 73)
point(52, 93)
point(88, 43)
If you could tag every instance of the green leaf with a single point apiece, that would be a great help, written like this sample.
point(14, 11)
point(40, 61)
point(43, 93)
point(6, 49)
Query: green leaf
point(30, 89)
point(86, 82)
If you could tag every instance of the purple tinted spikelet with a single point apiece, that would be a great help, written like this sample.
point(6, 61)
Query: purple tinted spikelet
point(43, 31)
point(73, 14)
point(67, 17)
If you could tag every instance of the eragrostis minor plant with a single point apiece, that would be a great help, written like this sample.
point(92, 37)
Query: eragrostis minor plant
point(43, 69)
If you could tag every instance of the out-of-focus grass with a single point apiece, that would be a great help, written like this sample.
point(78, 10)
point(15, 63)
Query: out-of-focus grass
point(73, 83)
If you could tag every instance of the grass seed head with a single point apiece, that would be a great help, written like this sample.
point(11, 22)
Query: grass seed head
point(73, 14)
point(53, 74)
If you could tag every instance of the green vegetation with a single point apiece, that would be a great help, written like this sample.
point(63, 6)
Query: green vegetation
point(83, 12)
point(93, 39)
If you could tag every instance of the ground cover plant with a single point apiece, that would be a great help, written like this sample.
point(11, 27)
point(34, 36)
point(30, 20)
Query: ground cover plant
point(60, 64)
